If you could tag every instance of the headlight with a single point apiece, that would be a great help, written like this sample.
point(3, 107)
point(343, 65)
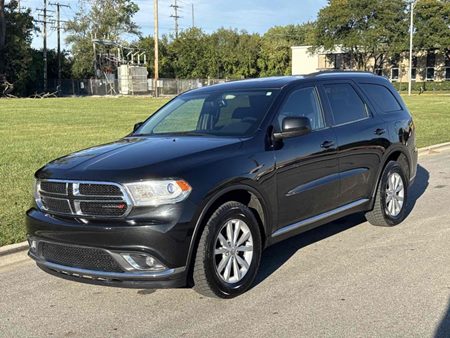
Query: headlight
point(154, 193)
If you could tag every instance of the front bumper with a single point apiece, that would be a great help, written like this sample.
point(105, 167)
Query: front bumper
point(168, 243)
point(169, 278)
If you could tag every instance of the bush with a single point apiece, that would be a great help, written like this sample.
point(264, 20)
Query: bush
point(427, 86)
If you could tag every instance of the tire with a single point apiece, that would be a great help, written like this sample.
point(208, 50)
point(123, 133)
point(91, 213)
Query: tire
point(213, 254)
point(383, 213)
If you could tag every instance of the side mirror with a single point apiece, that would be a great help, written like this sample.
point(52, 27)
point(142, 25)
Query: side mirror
point(137, 126)
point(293, 126)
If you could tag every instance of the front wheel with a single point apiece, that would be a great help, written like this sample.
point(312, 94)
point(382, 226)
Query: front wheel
point(228, 253)
point(391, 197)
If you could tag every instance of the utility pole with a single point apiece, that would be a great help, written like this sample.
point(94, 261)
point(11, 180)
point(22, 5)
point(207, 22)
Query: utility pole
point(175, 7)
point(411, 34)
point(45, 21)
point(45, 46)
point(193, 17)
point(58, 28)
point(156, 40)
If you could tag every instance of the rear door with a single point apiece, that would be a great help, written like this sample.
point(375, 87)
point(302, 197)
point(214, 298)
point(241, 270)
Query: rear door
point(306, 166)
point(362, 138)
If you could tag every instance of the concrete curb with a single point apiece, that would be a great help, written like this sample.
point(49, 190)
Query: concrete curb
point(14, 248)
point(434, 148)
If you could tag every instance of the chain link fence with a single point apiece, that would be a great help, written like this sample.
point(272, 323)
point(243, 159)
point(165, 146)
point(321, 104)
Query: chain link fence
point(103, 87)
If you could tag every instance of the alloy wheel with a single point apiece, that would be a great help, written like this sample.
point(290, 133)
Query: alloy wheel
point(233, 251)
point(395, 193)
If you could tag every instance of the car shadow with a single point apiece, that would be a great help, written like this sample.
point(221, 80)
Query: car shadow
point(443, 330)
point(418, 188)
point(275, 256)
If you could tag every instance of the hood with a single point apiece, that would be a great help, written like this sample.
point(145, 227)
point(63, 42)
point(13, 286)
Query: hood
point(134, 153)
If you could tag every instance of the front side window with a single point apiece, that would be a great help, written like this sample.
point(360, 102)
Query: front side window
point(382, 97)
point(233, 113)
point(302, 102)
point(346, 105)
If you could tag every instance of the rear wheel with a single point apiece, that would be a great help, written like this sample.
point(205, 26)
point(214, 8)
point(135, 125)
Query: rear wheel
point(391, 197)
point(228, 253)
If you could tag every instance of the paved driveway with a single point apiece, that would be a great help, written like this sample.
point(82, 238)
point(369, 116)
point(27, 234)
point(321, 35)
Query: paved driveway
point(345, 279)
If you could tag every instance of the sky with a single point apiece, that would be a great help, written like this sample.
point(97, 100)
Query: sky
point(255, 16)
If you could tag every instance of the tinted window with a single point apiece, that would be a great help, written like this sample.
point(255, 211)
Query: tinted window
point(382, 97)
point(303, 102)
point(345, 103)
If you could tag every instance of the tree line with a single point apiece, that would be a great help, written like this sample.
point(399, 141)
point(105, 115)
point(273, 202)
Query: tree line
point(368, 29)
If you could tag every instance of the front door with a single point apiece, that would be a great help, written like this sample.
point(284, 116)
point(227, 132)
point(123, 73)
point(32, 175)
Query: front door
point(306, 166)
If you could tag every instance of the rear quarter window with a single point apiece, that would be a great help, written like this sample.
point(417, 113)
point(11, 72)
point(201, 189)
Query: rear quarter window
point(382, 97)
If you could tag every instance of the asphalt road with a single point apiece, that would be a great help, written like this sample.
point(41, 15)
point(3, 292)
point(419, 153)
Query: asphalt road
point(345, 279)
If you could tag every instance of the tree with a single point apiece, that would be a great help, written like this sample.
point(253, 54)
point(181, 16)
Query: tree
point(16, 55)
point(432, 24)
point(188, 54)
point(275, 57)
point(364, 28)
point(248, 51)
point(101, 19)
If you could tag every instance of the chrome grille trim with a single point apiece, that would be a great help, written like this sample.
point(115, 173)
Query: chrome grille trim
point(74, 198)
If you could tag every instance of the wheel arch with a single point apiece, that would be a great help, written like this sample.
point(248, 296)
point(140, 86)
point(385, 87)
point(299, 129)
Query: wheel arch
point(398, 154)
point(242, 193)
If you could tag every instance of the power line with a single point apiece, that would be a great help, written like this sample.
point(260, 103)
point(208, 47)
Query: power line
point(176, 8)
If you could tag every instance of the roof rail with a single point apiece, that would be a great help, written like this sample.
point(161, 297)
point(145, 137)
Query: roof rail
point(340, 71)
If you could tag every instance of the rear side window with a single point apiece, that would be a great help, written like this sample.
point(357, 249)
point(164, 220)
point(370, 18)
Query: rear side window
point(382, 97)
point(346, 104)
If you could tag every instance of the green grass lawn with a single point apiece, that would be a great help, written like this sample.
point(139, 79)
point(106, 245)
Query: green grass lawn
point(33, 132)
point(432, 117)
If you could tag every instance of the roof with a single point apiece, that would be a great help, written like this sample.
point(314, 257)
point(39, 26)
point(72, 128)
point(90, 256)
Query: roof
point(282, 81)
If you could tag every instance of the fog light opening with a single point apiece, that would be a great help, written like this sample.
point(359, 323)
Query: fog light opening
point(143, 262)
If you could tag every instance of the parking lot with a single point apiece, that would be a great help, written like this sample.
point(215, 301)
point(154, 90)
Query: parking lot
point(345, 279)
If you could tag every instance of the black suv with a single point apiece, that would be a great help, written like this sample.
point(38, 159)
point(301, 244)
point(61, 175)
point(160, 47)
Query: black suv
point(196, 192)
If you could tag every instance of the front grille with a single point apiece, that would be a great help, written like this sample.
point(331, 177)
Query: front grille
point(99, 190)
point(57, 205)
point(59, 188)
point(83, 199)
point(79, 257)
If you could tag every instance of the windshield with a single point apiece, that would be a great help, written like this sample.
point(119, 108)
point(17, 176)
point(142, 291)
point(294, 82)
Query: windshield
point(234, 113)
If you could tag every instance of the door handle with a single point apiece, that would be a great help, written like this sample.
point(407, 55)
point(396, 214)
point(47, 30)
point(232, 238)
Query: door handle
point(380, 131)
point(327, 144)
